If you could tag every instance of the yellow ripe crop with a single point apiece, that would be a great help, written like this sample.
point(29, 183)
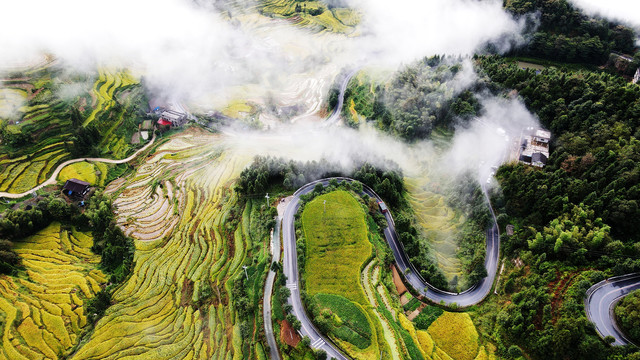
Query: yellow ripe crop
point(50, 313)
point(32, 335)
point(425, 341)
point(456, 335)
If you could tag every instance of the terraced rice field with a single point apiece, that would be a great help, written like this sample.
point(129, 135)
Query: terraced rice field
point(43, 116)
point(189, 247)
point(450, 336)
point(42, 311)
point(440, 223)
point(105, 87)
point(341, 20)
point(25, 172)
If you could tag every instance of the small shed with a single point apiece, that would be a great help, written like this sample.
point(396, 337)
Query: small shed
point(75, 188)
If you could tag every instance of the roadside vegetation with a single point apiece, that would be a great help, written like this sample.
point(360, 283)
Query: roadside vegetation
point(571, 218)
point(628, 316)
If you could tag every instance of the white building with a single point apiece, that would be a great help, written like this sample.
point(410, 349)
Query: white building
point(534, 148)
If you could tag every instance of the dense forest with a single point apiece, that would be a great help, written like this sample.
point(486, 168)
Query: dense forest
point(563, 33)
point(419, 97)
point(572, 218)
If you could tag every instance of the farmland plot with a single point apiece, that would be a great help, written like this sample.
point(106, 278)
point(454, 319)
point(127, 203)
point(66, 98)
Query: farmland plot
point(190, 245)
point(43, 312)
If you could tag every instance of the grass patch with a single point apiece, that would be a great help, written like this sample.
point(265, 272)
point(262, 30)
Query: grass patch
point(336, 245)
point(345, 319)
point(427, 316)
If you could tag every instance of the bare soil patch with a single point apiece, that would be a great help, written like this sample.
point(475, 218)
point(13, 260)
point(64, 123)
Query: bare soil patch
point(288, 335)
point(398, 281)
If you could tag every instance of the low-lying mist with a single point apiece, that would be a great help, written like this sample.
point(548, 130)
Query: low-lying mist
point(476, 147)
point(193, 52)
point(625, 11)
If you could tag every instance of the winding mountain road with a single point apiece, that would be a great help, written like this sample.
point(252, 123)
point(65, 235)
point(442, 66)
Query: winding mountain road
point(53, 178)
point(602, 298)
point(472, 296)
point(335, 115)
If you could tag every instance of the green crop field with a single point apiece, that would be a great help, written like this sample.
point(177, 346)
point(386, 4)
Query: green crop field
point(337, 245)
point(349, 323)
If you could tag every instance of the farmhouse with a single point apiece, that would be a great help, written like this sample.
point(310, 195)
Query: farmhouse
point(172, 117)
point(75, 188)
point(534, 148)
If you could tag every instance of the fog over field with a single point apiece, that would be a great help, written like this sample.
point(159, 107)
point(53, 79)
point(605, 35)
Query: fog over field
point(191, 48)
point(194, 53)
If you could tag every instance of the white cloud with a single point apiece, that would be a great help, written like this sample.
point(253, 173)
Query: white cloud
point(407, 29)
point(191, 50)
point(627, 11)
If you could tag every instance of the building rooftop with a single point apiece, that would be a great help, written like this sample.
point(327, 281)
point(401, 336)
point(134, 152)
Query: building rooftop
point(76, 186)
point(543, 134)
point(534, 148)
point(172, 115)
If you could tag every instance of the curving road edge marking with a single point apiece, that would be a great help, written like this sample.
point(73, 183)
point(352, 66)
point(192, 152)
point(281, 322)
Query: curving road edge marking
point(290, 266)
point(600, 301)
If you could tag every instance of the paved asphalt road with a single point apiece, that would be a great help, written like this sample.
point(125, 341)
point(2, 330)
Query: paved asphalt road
point(603, 297)
point(335, 115)
point(268, 290)
point(472, 296)
point(290, 264)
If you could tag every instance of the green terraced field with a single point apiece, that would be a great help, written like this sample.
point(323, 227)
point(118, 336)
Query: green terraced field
point(301, 13)
point(36, 136)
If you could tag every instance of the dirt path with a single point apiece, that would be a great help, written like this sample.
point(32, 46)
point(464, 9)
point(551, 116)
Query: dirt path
point(52, 180)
